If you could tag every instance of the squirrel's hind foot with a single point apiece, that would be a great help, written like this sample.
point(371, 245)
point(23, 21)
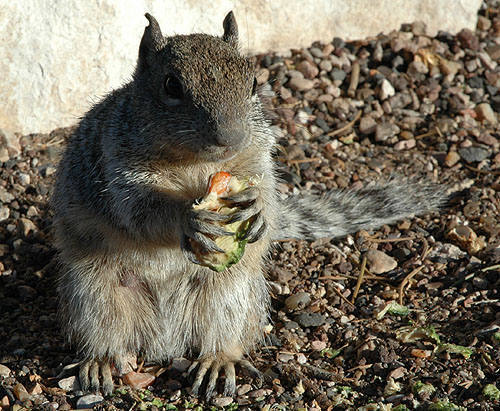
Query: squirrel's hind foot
point(89, 376)
point(215, 365)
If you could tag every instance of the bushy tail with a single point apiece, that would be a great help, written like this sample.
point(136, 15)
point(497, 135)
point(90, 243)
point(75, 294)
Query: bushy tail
point(341, 212)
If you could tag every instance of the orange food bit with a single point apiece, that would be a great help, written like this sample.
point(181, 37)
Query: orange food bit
point(219, 182)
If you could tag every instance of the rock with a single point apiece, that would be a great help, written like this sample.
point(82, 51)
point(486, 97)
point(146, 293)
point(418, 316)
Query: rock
point(466, 238)
point(487, 61)
point(419, 28)
point(494, 52)
point(386, 90)
point(5, 196)
point(180, 364)
point(49, 170)
point(24, 179)
point(468, 39)
point(308, 69)
point(89, 401)
point(447, 250)
point(474, 154)
point(69, 384)
point(263, 392)
point(10, 141)
point(222, 401)
point(483, 23)
point(4, 371)
point(20, 392)
point(243, 389)
point(297, 301)
point(417, 67)
point(405, 144)
point(318, 345)
point(4, 213)
point(367, 125)
point(138, 380)
point(449, 68)
point(338, 74)
point(486, 113)
point(26, 226)
point(451, 159)
point(488, 139)
point(307, 319)
point(378, 262)
point(300, 84)
point(385, 130)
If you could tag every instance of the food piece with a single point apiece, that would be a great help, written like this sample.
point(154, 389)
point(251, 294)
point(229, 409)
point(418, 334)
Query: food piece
point(222, 185)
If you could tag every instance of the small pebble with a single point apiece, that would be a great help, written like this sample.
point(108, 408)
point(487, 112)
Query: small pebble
point(486, 113)
point(138, 380)
point(367, 125)
point(69, 384)
point(243, 389)
point(222, 401)
point(474, 154)
point(378, 262)
point(451, 159)
point(386, 90)
point(4, 371)
point(300, 84)
point(310, 319)
point(89, 401)
point(297, 301)
point(405, 144)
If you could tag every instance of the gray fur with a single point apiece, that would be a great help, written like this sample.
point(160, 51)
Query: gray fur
point(125, 186)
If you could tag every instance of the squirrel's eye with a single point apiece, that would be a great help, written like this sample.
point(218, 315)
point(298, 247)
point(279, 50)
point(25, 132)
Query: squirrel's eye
point(173, 88)
point(254, 87)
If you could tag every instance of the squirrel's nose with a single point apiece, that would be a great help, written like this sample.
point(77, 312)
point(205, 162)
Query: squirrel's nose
point(227, 137)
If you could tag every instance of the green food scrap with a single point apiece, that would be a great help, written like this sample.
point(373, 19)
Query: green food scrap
point(496, 337)
point(406, 334)
point(157, 402)
point(393, 308)
point(330, 353)
point(420, 388)
point(444, 406)
point(491, 392)
point(456, 349)
point(392, 387)
point(400, 407)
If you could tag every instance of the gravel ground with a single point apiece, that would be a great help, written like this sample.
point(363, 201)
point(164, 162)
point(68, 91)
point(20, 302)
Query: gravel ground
point(404, 317)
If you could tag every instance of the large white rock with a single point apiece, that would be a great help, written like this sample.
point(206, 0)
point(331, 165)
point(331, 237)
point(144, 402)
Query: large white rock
point(57, 57)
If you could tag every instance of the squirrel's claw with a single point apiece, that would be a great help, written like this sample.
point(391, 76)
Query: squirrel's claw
point(215, 365)
point(247, 195)
point(257, 229)
point(245, 213)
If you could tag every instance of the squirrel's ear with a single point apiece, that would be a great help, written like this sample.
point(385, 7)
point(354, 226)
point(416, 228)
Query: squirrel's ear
point(230, 30)
point(152, 41)
point(152, 38)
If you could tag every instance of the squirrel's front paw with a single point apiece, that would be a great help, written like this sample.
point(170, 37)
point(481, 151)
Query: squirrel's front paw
point(249, 202)
point(200, 226)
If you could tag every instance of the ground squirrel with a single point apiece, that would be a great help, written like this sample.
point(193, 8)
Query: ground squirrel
point(123, 212)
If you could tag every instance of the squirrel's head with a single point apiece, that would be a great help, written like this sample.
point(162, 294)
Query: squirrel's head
point(203, 91)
